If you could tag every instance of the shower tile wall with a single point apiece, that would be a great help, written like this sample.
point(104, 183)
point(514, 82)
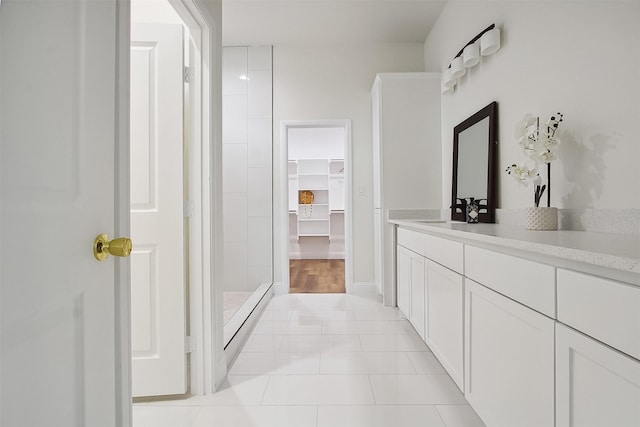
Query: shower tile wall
point(247, 166)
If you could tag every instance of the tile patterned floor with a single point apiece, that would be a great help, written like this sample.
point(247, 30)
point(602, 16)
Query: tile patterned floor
point(325, 360)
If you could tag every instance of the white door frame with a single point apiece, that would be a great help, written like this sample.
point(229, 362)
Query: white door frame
point(285, 125)
point(203, 292)
point(207, 364)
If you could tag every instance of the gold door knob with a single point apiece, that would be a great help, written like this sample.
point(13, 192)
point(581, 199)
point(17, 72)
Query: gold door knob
point(103, 247)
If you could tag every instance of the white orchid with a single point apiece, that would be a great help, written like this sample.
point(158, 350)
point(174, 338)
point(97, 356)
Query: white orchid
point(524, 174)
point(540, 147)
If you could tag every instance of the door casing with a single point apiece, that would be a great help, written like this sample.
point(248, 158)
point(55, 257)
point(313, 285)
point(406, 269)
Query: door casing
point(207, 364)
point(285, 125)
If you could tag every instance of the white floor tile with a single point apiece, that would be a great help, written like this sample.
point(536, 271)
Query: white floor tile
point(235, 390)
point(257, 416)
point(425, 362)
point(415, 390)
point(379, 416)
point(459, 416)
point(276, 314)
point(327, 360)
point(366, 363)
point(323, 301)
point(283, 302)
point(275, 364)
point(318, 390)
point(380, 313)
point(320, 343)
point(164, 416)
point(262, 343)
point(366, 327)
point(287, 327)
point(400, 342)
point(319, 315)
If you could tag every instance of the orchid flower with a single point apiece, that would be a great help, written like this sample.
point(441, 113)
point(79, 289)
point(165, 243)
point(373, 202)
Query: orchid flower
point(539, 147)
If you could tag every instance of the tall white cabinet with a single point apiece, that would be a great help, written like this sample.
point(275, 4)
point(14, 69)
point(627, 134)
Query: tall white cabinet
point(406, 159)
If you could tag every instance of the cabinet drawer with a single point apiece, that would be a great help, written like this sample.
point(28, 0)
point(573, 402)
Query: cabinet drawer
point(411, 240)
point(442, 251)
point(606, 310)
point(445, 252)
point(527, 282)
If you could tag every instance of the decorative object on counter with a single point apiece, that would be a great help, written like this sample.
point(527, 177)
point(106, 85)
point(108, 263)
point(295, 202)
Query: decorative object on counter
point(473, 211)
point(541, 149)
point(487, 42)
point(474, 165)
point(306, 197)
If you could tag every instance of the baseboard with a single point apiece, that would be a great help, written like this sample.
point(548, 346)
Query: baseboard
point(279, 289)
point(364, 289)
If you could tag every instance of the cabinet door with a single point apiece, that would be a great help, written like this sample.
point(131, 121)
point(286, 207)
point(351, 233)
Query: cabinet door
point(403, 279)
point(509, 360)
point(595, 385)
point(417, 293)
point(444, 318)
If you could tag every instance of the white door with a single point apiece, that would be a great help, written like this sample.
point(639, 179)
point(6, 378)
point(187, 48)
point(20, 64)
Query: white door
point(157, 262)
point(60, 341)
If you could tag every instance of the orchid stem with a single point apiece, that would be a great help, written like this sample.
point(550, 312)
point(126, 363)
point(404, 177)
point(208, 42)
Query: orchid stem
point(549, 184)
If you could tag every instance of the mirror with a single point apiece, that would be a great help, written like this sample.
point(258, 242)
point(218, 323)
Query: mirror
point(474, 150)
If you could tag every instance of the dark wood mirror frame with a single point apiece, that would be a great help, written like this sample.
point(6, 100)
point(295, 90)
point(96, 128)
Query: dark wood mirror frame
point(486, 205)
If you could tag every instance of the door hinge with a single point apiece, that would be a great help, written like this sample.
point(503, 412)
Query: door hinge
point(190, 345)
point(186, 74)
point(189, 208)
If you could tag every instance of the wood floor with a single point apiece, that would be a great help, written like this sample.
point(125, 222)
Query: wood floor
point(316, 276)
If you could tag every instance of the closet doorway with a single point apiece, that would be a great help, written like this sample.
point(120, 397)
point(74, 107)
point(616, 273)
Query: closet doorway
point(317, 209)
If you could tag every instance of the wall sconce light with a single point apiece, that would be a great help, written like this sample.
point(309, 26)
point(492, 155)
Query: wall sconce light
point(485, 43)
point(457, 68)
point(490, 42)
point(448, 90)
point(447, 78)
point(470, 55)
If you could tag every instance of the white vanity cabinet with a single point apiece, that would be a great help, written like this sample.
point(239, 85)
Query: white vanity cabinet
point(509, 358)
point(403, 278)
point(509, 342)
point(542, 342)
point(411, 287)
point(595, 384)
point(436, 295)
point(444, 318)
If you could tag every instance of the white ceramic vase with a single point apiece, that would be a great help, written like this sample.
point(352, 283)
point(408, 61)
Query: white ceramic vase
point(542, 218)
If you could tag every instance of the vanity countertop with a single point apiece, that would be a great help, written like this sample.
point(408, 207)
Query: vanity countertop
point(616, 256)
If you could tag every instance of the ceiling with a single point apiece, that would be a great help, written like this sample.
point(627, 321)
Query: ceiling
point(327, 22)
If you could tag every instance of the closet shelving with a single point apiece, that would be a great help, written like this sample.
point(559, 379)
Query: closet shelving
point(336, 185)
point(325, 179)
point(313, 218)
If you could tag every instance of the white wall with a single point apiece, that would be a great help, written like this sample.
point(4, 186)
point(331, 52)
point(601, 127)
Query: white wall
point(246, 167)
point(578, 57)
point(334, 82)
point(154, 11)
point(316, 143)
